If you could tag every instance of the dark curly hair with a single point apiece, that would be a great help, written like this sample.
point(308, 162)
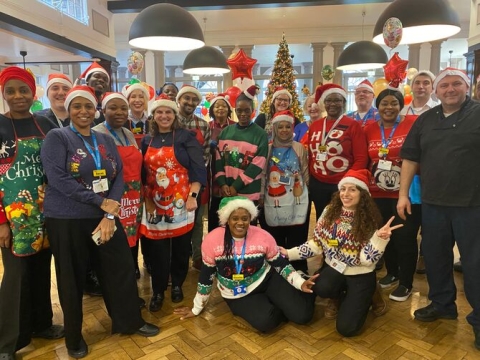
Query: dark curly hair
point(212, 115)
point(366, 220)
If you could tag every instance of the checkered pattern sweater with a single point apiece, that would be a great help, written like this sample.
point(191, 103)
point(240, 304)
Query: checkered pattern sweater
point(359, 258)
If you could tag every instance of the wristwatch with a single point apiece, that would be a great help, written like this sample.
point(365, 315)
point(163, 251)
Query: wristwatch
point(110, 216)
point(193, 195)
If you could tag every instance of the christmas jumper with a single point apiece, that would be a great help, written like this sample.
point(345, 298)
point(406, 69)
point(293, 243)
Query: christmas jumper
point(240, 159)
point(201, 128)
point(386, 182)
point(370, 117)
point(346, 149)
point(359, 258)
point(261, 253)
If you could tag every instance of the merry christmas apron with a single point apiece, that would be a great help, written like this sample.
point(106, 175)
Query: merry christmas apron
point(20, 183)
point(168, 187)
point(286, 196)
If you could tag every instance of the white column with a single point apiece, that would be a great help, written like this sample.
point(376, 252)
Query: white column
point(317, 62)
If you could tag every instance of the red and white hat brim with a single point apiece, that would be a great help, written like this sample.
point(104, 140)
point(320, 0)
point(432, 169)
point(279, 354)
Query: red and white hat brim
point(109, 97)
point(279, 118)
point(332, 91)
point(354, 181)
point(59, 81)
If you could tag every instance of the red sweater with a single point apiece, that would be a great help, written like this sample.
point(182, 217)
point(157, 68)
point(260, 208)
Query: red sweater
point(386, 183)
point(346, 149)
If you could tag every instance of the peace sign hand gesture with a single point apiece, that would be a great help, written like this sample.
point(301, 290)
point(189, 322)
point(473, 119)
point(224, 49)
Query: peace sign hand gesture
point(385, 232)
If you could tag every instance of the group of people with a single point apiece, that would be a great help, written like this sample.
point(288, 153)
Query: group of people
point(94, 175)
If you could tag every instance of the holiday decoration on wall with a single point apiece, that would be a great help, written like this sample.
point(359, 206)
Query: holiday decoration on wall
point(135, 63)
point(328, 72)
point(241, 65)
point(282, 75)
point(392, 32)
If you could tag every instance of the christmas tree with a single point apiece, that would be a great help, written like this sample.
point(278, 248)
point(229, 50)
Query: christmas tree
point(282, 75)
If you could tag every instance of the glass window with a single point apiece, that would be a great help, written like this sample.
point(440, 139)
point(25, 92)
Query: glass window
point(76, 9)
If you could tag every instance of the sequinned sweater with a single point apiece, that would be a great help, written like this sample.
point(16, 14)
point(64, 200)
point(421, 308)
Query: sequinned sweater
point(359, 258)
point(261, 253)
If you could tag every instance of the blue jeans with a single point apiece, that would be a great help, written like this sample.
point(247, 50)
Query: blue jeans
point(442, 226)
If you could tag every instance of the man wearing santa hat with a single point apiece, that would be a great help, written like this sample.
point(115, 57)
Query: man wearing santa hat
point(57, 87)
point(444, 142)
point(99, 79)
point(366, 112)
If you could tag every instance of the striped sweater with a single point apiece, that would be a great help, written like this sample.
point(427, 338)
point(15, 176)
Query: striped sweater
point(240, 158)
point(261, 253)
point(359, 258)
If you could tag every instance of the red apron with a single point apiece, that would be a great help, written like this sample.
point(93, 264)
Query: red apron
point(205, 198)
point(131, 197)
point(168, 187)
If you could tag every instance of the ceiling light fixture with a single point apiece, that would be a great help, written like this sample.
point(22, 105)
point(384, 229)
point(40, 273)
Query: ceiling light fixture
point(362, 55)
point(423, 21)
point(165, 27)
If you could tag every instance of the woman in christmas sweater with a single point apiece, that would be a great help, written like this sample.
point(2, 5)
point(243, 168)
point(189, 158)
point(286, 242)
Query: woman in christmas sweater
point(385, 139)
point(346, 235)
point(286, 210)
point(241, 154)
point(256, 282)
point(25, 304)
point(336, 144)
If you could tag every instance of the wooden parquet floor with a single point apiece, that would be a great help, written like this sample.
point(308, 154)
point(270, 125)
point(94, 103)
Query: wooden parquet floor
point(217, 334)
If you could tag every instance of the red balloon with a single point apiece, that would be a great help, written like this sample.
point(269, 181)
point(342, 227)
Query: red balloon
point(204, 111)
point(408, 99)
point(395, 70)
point(241, 65)
point(233, 93)
point(151, 92)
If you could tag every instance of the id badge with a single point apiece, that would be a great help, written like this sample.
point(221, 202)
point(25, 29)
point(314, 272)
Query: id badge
point(100, 173)
point(240, 289)
point(275, 159)
point(100, 185)
point(237, 277)
point(322, 148)
point(338, 265)
point(385, 165)
point(332, 242)
point(284, 180)
point(322, 156)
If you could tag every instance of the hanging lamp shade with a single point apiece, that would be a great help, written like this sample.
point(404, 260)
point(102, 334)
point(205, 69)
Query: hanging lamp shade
point(165, 27)
point(362, 55)
point(422, 20)
point(205, 60)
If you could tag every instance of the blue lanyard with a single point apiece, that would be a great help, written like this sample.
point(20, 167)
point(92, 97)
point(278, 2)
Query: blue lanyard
point(334, 231)
point(115, 135)
point(369, 115)
point(93, 151)
point(386, 142)
point(239, 262)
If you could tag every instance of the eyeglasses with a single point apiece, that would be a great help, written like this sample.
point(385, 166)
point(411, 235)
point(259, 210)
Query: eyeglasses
point(333, 101)
point(280, 100)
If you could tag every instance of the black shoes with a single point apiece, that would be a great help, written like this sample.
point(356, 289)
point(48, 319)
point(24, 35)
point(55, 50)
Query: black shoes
point(477, 338)
point(429, 314)
point(7, 356)
point(51, 333)
point(92, 285)
point(81, 352)
point(177, 294)
point(141, 302)
point(137, 273)
point(148, 330)
point(156, 302)
point(458, 266)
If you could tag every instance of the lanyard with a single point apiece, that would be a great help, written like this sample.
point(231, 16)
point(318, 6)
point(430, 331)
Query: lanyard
point(115, 135)
point(93, 151)
point(239, 262)
point(334, 230)
point(369, 115)
point(325, 137)
point(386, 142)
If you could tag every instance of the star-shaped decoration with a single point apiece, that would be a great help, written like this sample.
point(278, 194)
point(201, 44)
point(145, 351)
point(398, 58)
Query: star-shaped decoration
point(395, 70)
point(241, 65)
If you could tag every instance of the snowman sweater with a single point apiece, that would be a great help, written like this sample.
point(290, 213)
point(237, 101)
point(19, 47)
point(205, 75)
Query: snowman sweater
point(359, 258)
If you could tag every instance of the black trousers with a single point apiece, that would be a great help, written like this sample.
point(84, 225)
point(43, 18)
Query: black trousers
point(320, 194)
point(273, 302)
point(401, 253)
point(169, 257)
point(25, 304)
point(355, 294)
point(73, 248)
point(212, 213)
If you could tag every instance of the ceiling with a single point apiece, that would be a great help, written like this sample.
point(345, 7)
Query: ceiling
point(248, 26)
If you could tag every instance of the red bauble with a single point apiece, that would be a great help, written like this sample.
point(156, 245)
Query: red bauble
point(408, 99)
point(204, 111)
point(241, 65)
point(395, 70)
point(233, 93)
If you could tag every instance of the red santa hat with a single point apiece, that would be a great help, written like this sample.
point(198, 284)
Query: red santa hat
point(189, 89)
point(129, 89)
point(223, 97)
point(58, 79)
point(279, 90)
point(449, 71)
point(93, 68)
point(321, 92)
point(251, 91)
point(360, 178)
point(84, 91)
point(112, 95)
point(164, 100)
point(285, 115)
point(365, 84)
point(423, 73)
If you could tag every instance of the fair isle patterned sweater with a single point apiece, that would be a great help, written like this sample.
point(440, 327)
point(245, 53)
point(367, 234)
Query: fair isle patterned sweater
point(360, 259)
point(261, 253)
